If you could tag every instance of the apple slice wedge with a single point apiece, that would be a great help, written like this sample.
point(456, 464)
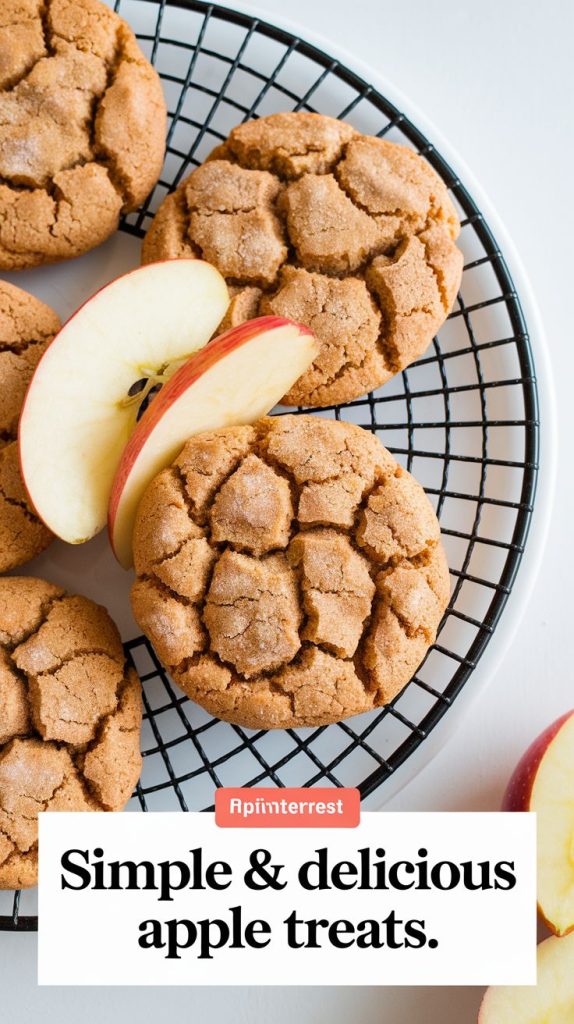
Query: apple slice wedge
point(80, 408)
point(544, 782)
point(550, 1001)
point(235, 379)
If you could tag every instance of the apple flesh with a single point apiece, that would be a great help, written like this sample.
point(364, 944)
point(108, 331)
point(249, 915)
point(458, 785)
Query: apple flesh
point(80, 408)
point(544, 782)
point(550, 1001)
point(235, 379)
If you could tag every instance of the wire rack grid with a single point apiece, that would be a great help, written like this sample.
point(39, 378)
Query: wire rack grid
point(464, 420)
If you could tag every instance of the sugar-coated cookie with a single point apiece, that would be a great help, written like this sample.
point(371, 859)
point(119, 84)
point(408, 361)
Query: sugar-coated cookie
point(82, 128)
point(70, 716)
point(289, 573)
point(350, 234)
point(26, 328)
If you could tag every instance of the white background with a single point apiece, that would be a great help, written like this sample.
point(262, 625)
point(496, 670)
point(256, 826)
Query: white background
point(495, 77)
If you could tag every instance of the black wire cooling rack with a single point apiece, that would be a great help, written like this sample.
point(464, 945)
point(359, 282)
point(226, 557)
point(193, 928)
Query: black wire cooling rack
point(464, 420)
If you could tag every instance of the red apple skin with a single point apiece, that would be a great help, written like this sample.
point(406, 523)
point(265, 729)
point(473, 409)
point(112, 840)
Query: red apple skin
point(195, 367)
point(46, 354)
point(482, 1019)
point(519, 789)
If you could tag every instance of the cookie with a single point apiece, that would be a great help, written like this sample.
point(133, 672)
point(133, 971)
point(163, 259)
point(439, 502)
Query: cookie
point(70, 716)
point(26, 327)
point(352, 235)
point(82, 128)
point(289, 573)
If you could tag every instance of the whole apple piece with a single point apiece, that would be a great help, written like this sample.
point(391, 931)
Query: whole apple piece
point(550, 1001)
point(84, 398)
point(543, 781)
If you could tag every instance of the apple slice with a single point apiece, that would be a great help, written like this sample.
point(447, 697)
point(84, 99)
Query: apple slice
point(544, 782)
point(235, 379)
point(80, 408)
point(550, 1001)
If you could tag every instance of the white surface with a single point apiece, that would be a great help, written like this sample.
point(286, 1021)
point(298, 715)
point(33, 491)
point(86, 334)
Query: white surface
point(495, 80)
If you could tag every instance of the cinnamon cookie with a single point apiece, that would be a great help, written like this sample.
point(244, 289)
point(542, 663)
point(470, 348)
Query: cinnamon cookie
point(70, 716)
point(82, 128)
point(351, 235)
point(26, 328)
point(289, 573)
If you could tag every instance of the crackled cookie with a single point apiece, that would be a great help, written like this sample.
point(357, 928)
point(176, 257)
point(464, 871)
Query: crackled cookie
point(70, 716)
point(289, 573)
point(82, 128)
point(349, 234)
point(26, 328)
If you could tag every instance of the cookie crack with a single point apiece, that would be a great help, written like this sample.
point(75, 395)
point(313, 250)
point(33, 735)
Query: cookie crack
point(3, 832)
point(243, 602)
point(332, 699)
point(197, 517)
point(85, 722)
point(19, 347)
point(184, 241)
point(276, 687)
point(407, 627)
point(76, 655)
point(403, 215)
point(41, 16)
point(244, 599)
point(161, 586)
point(90, 794)
point(179, 475)
point(42, 805)
point(78, 758)
point(121, 689)
point(390, 353)
point(385, 341)
point(344, 471)
point(44, 15)
point(45, 607)
point(158, 563)
point(57, 790)
point(205, 211)
point(343, 371)
point(400, 556)
point(440, 280)
point(52, 35)
point(297, 571)
point(424, 560)
point(20, 504)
